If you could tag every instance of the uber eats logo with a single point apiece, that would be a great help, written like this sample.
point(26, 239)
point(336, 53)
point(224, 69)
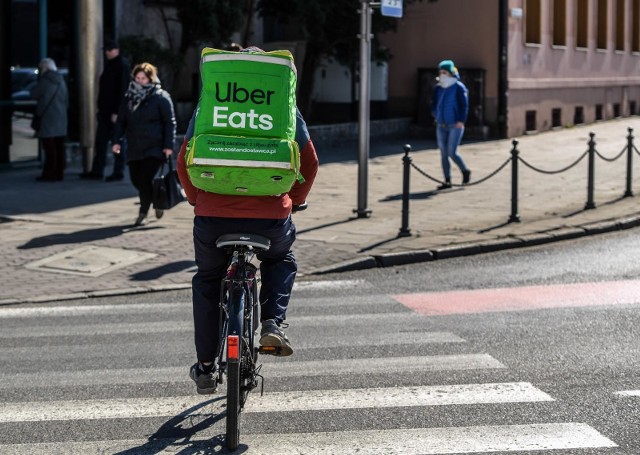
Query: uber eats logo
point(232, 92)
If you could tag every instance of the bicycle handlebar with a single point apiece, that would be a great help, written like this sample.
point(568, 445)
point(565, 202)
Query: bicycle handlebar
point(300, 207)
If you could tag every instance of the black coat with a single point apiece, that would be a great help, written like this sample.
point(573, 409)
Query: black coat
point(112, 85)
point(149, 129)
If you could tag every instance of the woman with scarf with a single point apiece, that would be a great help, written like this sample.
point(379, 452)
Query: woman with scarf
point(450, 106)
point(147, 120)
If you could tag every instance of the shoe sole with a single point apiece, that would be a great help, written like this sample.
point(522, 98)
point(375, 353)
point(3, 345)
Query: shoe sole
point(272, 340)
point(204, 390)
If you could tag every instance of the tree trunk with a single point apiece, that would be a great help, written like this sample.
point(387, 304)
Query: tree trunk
point(248, 25)
point(305, 91)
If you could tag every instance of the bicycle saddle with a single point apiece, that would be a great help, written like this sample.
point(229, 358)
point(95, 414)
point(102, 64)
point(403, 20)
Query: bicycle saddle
point(254, 240)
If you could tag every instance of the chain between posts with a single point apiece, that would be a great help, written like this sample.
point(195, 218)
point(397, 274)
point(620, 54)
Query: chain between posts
point(476, 182)
point(542, 171)
point(514, 159)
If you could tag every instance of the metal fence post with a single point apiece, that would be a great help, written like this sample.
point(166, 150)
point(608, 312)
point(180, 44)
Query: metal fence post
point(591, 173)
point(629, 190)
point(515, 217)
point(406, 164)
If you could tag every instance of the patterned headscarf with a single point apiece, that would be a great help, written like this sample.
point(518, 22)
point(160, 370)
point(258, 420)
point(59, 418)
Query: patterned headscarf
point(137, 93)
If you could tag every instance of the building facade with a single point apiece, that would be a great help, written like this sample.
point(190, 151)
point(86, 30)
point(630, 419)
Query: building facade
point(566, 62)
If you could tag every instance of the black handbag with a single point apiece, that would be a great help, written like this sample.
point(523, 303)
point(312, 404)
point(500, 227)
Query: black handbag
point(35, 122)
point(167, 191)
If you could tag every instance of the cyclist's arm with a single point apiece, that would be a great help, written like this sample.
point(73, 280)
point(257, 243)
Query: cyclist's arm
point(308, 162)
point(308, 169)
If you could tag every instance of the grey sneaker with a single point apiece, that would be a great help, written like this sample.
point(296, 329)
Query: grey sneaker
point(271, 335)
point(205, 383)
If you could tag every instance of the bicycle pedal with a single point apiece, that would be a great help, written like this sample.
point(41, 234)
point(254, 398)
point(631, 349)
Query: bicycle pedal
point(270, 350)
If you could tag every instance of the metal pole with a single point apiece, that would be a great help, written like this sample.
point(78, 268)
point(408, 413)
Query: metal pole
point(44, 33)
point(89, 58)
point(629, 190)
point(515, 217)
point(406, 161)
point(591, 173)
point(363, 122)
point(6, 109)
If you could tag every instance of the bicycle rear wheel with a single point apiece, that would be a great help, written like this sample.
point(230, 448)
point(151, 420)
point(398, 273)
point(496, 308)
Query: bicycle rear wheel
point(233, 405)
point(234, 353)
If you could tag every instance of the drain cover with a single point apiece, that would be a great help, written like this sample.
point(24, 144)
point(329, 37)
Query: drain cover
point(89, 260)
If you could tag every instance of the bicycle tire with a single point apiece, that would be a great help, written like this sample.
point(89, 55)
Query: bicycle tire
point(233, 405)
point(236, 314)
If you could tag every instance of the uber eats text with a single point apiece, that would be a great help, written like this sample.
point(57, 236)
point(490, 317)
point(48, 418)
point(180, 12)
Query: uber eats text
point(254, 120)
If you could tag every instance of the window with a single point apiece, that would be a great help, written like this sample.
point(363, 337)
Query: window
point(633, 108)
point(560, 22)
point(532, 21)
point(578, 115)
point(616, 110)
point(601, 39)
point(620, 25)
point(582, 26)
point(530, 121)
point(635, 26)
point(598, 112)
point(556, 117)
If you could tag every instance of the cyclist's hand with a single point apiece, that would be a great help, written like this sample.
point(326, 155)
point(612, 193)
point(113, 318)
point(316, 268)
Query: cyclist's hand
point(299, 207)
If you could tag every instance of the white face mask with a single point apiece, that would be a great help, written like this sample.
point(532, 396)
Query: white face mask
point(446, 81)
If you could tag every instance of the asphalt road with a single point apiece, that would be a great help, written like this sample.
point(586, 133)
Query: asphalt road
point(529, 351)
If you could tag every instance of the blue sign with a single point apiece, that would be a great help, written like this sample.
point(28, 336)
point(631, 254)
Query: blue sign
point(391, 8)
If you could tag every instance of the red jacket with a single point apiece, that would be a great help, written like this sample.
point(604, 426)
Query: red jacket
point(265, 207)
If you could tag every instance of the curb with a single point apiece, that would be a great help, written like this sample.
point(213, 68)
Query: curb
point(489, 246)
point(95, 294)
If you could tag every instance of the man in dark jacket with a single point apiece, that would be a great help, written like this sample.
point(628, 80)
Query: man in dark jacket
point(270, 216)
point(114, 81)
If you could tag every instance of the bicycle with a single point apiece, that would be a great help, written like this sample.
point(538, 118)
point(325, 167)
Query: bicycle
point(239, 320)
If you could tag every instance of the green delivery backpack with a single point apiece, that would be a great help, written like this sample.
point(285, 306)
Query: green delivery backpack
point(244, 133)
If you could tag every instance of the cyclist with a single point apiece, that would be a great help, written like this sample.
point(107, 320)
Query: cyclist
point(270, 216)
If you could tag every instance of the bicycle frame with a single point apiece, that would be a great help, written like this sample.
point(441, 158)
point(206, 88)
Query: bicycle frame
point(239, 319)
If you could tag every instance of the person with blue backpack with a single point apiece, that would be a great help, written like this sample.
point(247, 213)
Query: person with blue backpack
point(450, 106)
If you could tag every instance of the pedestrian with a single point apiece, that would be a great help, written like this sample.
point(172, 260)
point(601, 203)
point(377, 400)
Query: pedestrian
point(147, 121)
point(270, 216)
point(112, 85)
point(450, 106)
point(52, 96)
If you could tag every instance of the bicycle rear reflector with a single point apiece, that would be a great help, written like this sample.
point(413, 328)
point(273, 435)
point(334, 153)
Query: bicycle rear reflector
point(232, 347)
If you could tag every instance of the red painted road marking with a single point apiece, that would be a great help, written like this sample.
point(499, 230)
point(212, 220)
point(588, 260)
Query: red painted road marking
point(523, 298)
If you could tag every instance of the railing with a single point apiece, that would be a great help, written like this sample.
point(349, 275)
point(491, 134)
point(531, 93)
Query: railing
point(515, 159)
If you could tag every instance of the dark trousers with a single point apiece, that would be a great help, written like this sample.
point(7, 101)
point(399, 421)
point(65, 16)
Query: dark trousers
point(54, 158)
point(142, 173)
point(277, 268)
point(104, 133)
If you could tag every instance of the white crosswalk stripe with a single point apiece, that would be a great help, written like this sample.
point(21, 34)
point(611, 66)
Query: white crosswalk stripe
point(415, 441)
point(277, 402)
point(68, 326)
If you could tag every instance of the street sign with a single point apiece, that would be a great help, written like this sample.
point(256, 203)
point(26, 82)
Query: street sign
point(391, 8)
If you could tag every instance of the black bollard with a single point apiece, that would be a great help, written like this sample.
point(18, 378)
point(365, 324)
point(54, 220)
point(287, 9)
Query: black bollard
point(629, 190)
point(592, 171)
point(406, 166)
point(515, 217)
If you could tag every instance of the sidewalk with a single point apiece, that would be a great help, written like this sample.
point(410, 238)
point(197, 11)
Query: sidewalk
point(74, 238)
